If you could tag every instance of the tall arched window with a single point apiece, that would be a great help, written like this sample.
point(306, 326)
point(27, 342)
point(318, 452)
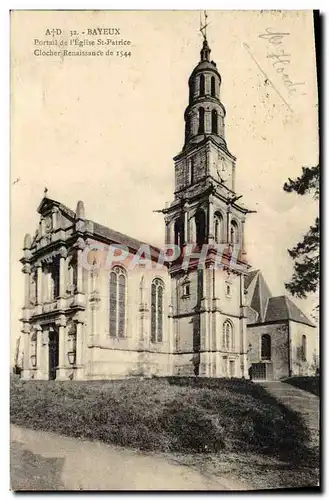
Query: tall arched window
point(201, 121)
point(179, 232)
point(213, 86)
point(234, 232)
point(303, 353)
point(200, 225)
point(228, 343)
point(157, 310)
point(118, 293)
point(266, 347)
point(202, 85)
point(218, 227)
point(214, 122)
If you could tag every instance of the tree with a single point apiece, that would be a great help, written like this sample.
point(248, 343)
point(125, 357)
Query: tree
point(305, 278)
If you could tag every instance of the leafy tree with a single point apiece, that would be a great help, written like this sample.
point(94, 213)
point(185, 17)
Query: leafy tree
point(305, 278)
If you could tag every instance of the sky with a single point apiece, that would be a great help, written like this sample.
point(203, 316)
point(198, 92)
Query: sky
point(105, 130)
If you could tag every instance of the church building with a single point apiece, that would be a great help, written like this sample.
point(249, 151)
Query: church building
point(93, 309)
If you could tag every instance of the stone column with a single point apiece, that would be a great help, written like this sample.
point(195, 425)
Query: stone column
point(243, 250)
point(79, 295)
point(168, 233)
point(211, 229)
point(26, 352)
point(39, 352)
point(39, 282)
point(79, 344)
point(62, 357)
point(27, 272)
point(185, 225)
point(62, 271)
point(80, 247)
point(204, 328)
point(228, 225)
point(211, 323)
point(243, 331)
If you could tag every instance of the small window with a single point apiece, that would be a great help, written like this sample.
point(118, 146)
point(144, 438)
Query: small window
point(228, 290)
point(266, 347)
point(186, 289)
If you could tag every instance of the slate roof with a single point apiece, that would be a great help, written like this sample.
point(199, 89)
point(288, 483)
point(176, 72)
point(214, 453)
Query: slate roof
point(121, 238)
point(248, 279)
point(282, 308)
point(271, 309)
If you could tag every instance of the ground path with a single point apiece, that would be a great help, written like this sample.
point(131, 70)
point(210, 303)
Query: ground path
point(307, 405)
point(46, 461)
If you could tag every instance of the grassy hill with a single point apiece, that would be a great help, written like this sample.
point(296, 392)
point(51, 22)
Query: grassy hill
point(168, 415)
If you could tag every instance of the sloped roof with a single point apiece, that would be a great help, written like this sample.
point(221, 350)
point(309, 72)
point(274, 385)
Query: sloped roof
point(268, 308)
point(282, 308)
point(248, 279)
point(121, 238)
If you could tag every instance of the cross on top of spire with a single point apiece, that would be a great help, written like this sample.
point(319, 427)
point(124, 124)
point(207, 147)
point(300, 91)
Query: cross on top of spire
point(204, 24)
point(205, 52)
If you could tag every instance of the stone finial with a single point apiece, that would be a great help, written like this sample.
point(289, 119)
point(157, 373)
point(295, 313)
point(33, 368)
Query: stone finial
point(80, 211)
point(27, 241)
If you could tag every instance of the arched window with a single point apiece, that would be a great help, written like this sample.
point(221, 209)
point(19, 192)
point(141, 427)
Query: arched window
point(228, 343)
point(213, 86)
point(202, 85)
point(201, 121)
point(218, 227)
point(303, 353)
point(179, 232)
point(200, 225)
point(118, 294)
point(234, 232)
point(157, 310)
point(214, 122)
point(266, 347)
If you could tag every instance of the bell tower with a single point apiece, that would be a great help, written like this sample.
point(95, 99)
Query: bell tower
point(209, 315)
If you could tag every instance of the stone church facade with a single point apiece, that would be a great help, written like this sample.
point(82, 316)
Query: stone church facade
point(94, 309)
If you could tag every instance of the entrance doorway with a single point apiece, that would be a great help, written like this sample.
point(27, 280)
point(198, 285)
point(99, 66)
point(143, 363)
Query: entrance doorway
point(232, 369)
point(53, 353)
point(262, 371)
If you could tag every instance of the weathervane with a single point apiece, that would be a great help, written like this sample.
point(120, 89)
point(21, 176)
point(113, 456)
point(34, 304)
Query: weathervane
point(204, 24)
point(45, 191)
